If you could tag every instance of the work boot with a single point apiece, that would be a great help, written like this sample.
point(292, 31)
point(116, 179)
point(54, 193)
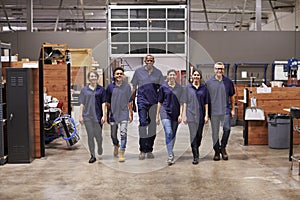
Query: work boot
point(142, 156)
point(92, 159)
point(217, 155)
point(195, 161)
point(116, 150)
point(121, 156)
point(150, 155)
point(224, 154)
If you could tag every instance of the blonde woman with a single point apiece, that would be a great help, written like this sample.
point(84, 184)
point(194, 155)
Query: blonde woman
point(92, 101)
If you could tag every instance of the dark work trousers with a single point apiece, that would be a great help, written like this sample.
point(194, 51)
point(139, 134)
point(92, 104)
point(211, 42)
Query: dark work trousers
point(94, 130)
point(196, 130)
point(147, 127)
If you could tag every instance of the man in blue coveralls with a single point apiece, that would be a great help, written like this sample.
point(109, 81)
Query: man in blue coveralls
point(146, 81)
point(221, 90)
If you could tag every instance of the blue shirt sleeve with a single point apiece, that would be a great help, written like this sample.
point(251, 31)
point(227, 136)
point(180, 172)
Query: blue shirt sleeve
point(162, 79)
point(134, 79)
point(129, 92)
point(160, 96)
point(108, 93)
point(81, 98)
point(104, 96)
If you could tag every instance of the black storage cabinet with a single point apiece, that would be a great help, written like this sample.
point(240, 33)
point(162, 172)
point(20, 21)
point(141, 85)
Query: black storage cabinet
point(20, 124)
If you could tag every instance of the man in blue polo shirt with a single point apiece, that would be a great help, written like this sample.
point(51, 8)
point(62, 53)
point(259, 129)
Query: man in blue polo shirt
point(119, 111)
point(221, 90)
point(147, 80)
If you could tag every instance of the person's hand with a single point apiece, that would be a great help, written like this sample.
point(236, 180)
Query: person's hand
point(185, 120)
point(179, 119)
point(232, 113)
point(206, 118)
point(130, 118)
point(157, 120)
point(103, 120)
point(81, 120)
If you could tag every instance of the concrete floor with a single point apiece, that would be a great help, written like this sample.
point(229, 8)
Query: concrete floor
point(252, 172)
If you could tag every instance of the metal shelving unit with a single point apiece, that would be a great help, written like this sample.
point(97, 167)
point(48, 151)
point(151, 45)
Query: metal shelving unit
point(3, 157)
point(253, 70)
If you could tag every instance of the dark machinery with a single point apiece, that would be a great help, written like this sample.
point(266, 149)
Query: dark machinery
point(292, 68)
point(62, 126)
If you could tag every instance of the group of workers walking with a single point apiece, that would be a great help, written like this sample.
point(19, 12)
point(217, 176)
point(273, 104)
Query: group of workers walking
point(158, 100)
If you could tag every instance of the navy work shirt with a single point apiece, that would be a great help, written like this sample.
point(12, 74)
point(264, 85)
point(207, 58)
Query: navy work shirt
point(195, 100)
point(220, 91)
point(92, 101)
point(118, 97)
point(170, 97)
point(148, 84)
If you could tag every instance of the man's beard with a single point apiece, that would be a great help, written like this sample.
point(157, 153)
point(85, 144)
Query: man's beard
point(149, 66)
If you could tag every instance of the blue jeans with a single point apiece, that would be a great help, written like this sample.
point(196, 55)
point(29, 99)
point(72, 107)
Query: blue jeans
point(94, 130)
point(216, 121)
point(147, 127)
point(170, 128)
point(123, 132)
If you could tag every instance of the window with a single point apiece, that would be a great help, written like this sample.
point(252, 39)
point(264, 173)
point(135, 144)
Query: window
point(154, 29)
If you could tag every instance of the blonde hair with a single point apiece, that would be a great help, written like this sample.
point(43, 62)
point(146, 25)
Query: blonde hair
point(93, 72)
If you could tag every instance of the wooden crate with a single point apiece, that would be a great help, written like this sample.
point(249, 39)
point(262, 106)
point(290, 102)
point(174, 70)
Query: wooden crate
point(81, 57)
point(55, 81)
point(274, 102)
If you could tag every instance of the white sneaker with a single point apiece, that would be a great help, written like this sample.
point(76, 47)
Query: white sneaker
point(170, 160)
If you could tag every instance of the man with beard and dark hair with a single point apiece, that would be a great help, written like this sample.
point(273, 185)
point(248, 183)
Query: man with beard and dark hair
point(146, 81)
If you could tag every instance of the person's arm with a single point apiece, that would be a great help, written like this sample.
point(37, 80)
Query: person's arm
point(134, 88)
point(184, 114)
point(133, 95)
point(103, 120)
point(81, 113)
point(130, 112)
point(157, 113)
point(107, 112)
point(232, 105)
point(180, 114)
point(206, 117)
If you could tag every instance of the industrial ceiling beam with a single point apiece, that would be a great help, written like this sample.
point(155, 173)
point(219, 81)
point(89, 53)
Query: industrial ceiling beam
point(258, 15)
point(205, 13)
point(58, 14)
point(29, 15)
point(242, 15)
point(83, 14)
point(275, 16)
point(6, 16)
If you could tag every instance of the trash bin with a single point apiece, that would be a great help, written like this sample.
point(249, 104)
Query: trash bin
point(279, 131)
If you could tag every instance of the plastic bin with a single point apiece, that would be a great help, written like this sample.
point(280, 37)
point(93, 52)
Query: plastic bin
point(279, 131)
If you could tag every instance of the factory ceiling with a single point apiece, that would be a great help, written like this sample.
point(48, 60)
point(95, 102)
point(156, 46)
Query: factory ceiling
point(89, 15)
